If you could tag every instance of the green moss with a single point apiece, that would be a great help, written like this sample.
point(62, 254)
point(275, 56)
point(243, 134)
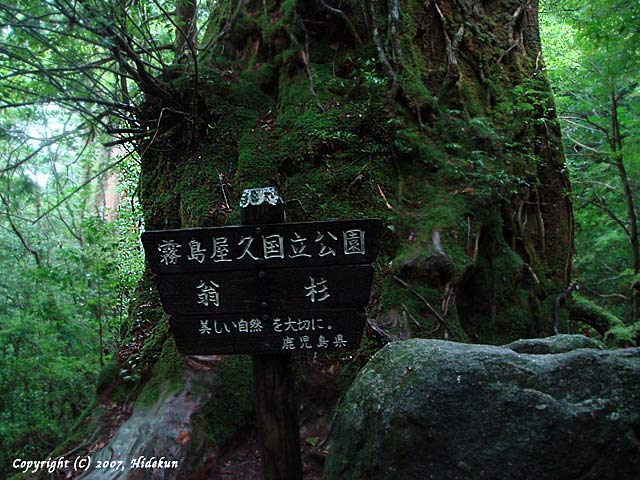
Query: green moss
point(583, 307)
point(322, 159)
point(108, 376)
point(497, 299)
point(262, 76)
point(92, 419)
point(231, 404)
point(407, 314)
point(473, 92)
point(622, 336)
point(616, 333)
point(451, 154)
point(111, 385)
point(419, 94)
point(155, 344)
point(167, 375)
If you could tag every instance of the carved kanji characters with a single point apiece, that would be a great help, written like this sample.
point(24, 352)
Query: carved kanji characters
point(298, 246)
point(324, 248)
point(287, 344)
point(243, 325)
point(273, 246)
point(169, 252)
point(353, 242)
point(339, 341)
point(304, 342)
point(204, 327)
point(246, 251)
point(255, 325)
point(208, 294)
point(317, 291)
point(196, 252)
point(220, 251)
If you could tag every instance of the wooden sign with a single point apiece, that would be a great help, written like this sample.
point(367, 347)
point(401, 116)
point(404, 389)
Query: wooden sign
point(308, 331)
point(303, 244)
point(228, 288)
point(314, 288)
point(267, 289)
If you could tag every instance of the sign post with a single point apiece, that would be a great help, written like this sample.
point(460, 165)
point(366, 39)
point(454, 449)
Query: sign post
point(273, 374)
point(269, 289)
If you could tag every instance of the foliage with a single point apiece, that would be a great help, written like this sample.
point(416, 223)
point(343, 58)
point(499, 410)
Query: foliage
point(592, 59)
point(69, 276)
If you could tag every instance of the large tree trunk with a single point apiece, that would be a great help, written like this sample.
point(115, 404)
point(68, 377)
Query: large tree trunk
point(435, 116)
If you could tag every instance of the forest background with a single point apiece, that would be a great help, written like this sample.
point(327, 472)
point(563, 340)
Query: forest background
point(71, 264)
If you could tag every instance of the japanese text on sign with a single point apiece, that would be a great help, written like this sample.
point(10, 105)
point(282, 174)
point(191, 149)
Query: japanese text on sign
point(280, 332)
point(298, 333)
point(222, 249)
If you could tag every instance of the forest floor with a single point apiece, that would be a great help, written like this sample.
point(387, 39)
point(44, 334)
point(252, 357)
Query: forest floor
point(242, 459)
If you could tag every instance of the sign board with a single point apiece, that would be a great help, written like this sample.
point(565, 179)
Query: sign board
point(313, 288)
point(273, 288)
point(303, 244)
point(306, 331)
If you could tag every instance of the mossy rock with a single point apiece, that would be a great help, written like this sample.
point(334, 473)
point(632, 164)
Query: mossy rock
point(444, 410)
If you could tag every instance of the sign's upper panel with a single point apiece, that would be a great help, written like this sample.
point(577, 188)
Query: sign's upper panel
point(323, 243)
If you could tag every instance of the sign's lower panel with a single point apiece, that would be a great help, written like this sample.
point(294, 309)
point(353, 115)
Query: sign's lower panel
point(276, 333)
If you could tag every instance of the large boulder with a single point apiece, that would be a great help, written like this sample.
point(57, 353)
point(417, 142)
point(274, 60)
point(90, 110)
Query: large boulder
point(430, 409)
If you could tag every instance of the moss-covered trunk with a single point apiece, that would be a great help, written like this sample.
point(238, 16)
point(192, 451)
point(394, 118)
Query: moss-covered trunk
point(435, 116)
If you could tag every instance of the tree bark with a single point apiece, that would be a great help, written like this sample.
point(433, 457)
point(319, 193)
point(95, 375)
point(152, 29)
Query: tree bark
point(429, 115)
point(186, 29)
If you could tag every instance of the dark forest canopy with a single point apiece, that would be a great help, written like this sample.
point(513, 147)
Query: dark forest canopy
point(435, 116)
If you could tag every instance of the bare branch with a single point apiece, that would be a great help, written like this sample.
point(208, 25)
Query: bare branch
point(607, 295)
point(19, 234)
point(587, 147)
point(343, 16)
point(382, 56)
point(428, 305)
point(81, 186)
point(556, 306)
point(603, 206)
point(592, 127)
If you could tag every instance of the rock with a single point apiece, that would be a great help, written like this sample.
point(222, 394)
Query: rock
point(555, 344)
point(430, 409)
point(158, 433)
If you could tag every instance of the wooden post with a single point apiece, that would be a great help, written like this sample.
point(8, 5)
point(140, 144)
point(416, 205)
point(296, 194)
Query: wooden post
point(273, 374)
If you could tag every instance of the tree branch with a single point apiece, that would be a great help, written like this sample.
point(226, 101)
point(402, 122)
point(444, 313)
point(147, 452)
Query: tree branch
point(556, 306)
point(602, 206)
point(382, 56)
point(343, 16)
point(428, 305)
point(19, 234)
